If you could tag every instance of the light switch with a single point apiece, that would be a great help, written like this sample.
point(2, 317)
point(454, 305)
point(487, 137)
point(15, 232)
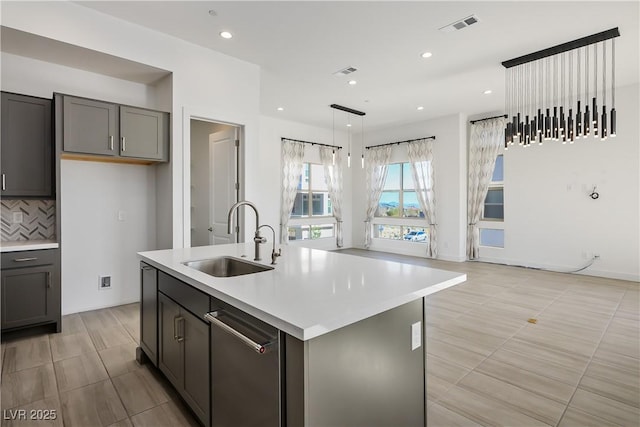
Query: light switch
point(416, 335)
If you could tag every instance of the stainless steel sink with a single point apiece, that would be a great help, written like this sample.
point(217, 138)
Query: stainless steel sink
point(226, 266)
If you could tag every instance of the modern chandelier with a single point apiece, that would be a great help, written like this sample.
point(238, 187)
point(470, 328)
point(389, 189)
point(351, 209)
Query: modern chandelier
point(350, 111)
point(548, 94)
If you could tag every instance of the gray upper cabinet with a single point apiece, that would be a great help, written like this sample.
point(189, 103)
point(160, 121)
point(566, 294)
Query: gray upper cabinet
point(142, 133)
point(90, 127)
point(107, 129)
point(26, 146)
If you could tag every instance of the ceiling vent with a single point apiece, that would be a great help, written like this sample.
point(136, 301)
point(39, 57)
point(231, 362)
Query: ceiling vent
point(460, 24)
point(345, 71)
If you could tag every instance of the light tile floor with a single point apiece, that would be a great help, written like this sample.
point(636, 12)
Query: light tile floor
point(578, 365)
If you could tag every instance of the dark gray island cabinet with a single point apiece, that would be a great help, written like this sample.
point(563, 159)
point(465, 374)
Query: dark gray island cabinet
point(287, 347)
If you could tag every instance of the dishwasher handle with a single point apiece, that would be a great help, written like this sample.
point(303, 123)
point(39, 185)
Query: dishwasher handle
point(257, 347)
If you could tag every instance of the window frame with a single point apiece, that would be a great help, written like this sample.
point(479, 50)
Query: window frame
point(402, 221)
point(495, 185)
point(312, 220)
point(401, 192)
point(494, 223)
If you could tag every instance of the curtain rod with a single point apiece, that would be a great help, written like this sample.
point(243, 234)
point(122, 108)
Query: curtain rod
point(400, 142)
point(309, 142)
point(488, 118)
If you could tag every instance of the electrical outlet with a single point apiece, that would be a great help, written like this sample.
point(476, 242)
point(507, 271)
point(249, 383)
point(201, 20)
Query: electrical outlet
point(18, 217)
point(104, 282)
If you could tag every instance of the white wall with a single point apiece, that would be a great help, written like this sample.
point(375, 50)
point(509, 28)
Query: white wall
point(203, 82)
point(269, 172)
point(551, 222)
point(450, 168)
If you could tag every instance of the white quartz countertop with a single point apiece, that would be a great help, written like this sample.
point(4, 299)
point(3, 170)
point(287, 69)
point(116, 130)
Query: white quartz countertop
point(28, 245)
point(310, 292)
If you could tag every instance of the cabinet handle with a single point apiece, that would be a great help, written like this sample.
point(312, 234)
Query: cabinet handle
point(4, 183)
point(257, 347)
point(48, 279)
point(25, 259)
point(176, 329)
point(147, 267)
point(124, 144)
point(111, 142)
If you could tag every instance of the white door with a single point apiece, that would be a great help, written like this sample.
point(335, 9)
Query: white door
point(223, 174)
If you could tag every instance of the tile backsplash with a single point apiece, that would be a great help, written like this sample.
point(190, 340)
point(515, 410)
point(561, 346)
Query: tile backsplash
point(38, 220)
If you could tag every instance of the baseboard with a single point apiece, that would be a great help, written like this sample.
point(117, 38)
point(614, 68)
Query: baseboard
point(564, 269)
point(101, 306)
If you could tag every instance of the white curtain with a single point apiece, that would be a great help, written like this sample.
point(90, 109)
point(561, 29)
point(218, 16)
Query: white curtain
point(421, 158)
point(333, 178)
point(377, 160)
point(486, 138)
point(292, 156)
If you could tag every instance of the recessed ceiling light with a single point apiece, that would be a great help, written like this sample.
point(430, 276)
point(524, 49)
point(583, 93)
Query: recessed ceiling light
point(426, 55)
point(487, 92)
point(280, 109)
point(420, 108)
point(352, 82)
point(348, 125)
point(226, 35)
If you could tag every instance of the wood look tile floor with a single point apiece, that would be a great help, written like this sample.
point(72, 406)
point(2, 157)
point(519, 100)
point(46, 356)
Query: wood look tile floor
point(577, 366)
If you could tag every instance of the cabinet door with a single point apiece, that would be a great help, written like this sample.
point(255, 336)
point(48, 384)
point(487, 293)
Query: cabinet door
point(170, 359)
point(196, 365)
point(149, 311)
point(142, 133)
point(26, 155)
point(27, 296)
point(89, 126)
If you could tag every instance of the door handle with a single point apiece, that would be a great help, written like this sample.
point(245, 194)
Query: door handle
point(210, 229)
point(257, 347)
point(25, 259)
point(111, 142)
point(176, 333)
point(124, 144)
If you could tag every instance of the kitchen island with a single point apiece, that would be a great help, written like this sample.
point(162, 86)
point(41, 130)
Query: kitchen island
point(343, 335)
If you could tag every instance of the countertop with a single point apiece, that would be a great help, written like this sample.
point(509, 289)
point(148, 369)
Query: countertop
point(28, 245)
point(310, 292)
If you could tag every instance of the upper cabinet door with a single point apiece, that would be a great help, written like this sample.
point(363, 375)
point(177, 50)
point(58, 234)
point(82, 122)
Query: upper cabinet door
point(142, 133)
point(90, 126)
point(26, 146)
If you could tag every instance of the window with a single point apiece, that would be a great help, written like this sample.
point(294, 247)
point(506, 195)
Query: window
point(494, 202)
point(312, 199)
point(492, 237)
point(312, 206)
point(399, 214)
point(398, 198)
point(401, 232)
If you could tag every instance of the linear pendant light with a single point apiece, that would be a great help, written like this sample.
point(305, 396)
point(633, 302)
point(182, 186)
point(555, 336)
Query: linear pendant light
point(540, 87)
point(349, 122)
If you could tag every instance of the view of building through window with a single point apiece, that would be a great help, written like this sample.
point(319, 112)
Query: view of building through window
point(312, 202)
point(493, 215)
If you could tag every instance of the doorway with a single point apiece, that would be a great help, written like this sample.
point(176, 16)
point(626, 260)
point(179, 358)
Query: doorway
point(214, 162)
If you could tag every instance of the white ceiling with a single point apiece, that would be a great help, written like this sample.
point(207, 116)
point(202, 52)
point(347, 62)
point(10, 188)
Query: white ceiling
point(299, 44)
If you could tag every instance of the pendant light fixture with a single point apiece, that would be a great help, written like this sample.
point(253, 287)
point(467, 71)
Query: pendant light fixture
point(349, 126)
point(540, 87)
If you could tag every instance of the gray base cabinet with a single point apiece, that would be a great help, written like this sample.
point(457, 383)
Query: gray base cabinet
point(26, 146)
point(183, 347)
point(106, 129)
point(30, 289)
point(149, 312)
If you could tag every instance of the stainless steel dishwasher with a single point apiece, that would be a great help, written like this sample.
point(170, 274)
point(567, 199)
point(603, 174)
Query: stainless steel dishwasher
point(245, 370)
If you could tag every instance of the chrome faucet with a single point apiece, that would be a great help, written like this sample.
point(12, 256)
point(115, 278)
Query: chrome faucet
point(274, 254)
point(257, 239)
